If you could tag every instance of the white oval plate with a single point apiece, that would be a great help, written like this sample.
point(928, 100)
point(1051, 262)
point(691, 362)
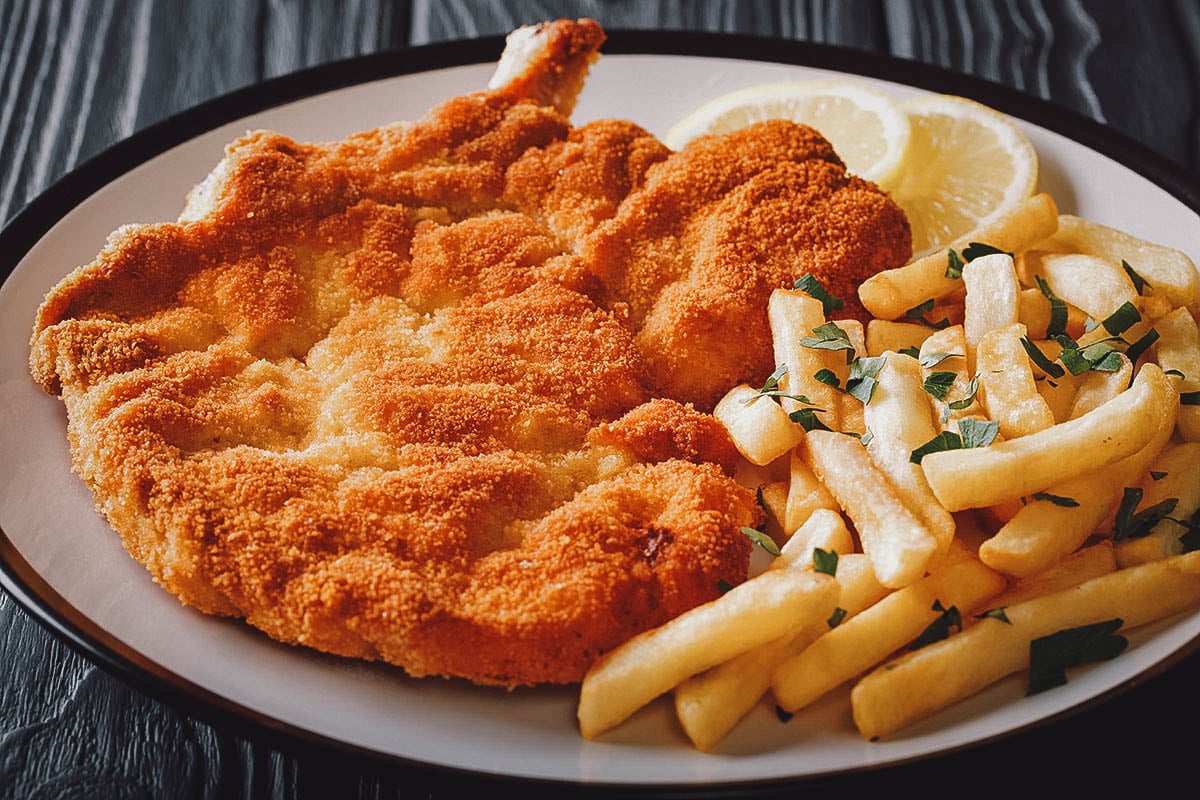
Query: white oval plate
point(62, 562)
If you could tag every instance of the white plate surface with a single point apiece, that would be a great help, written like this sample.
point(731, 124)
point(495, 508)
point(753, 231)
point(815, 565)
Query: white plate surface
point(48, 514)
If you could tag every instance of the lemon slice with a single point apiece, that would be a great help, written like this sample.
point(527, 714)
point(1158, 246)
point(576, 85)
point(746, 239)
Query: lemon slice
point(966, 165)
point(868, 130)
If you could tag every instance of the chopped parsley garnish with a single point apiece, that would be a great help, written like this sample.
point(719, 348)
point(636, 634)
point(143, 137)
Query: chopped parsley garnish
point(829, 337)
point(1100, 356)
point(1157, 475)
point(1189, 398)
point(836, 617)
point(1051, 656)
point(810, 285)
point(971, 433)
point(995, 613)
point(1039, 358)
point(918, 313)
point(1058, 308)
point(761, 539)
point(1140, 284)
point(807, 418)
point(930, 360)
point(1122, 319)
point(939, 384)
point(1190, 539)
point(723, 585)
point(782, 715)
point(978, 249)
point(978, 433)
point(1133, 524)
point(861, 381)
point(1141, 345)
point(965, 402)
point(913, 351)
point(825, 561)
point(954, 265)
point(940, 628)
point(1058, 500)
point(771, 384)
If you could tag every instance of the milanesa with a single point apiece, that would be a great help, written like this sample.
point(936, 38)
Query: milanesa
point(436, 394)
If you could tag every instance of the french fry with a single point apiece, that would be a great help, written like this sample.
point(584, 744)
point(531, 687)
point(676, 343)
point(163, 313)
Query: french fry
point(858, 644)
point(985, 476)
point(1169, 272)
point(900, 420)
point(891, 293)
point(1034, 312)
point(824, 529)
point(751, 614)
point(915, 685)
point(1094, 285)
point(992, 300)
point(1059, 394)
point(1006, 383)
point(1094, 389)
point(1048, 527)
point(772, 496)
point(1082, 565)
point(1178, 350)
point(758, 426)
point(1174, 475)
point(710, 704)
point(806, 493)
point(946, 351)
point(793, 315)
point(884, 335)
point(897, 542)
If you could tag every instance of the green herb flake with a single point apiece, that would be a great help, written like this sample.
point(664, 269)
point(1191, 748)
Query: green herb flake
point(1133, 524)
point(995, 613)
point(761, 539)
point(1058, 500)
point(828, 337)
point(930, 360)
point(807, 418)
point(1139, 347)
point(913, 351)
point(939, 384)
point(782, 715)
point(976, 250)
point(828, 377)
point(1189, 398)
point(1157, 475)
point(723, 585)
point(836, 617)
point(946, 440)
point(978, 433)
point(1051, 656)
point(811, 286)
point(918, 313)
point(972, 390)
point(825, 561)
point(940, 628)
point(1122, 319)
point(1039, 358)
point(1058, 308)
point(771, 384)
point(954, 265)
point(1140, 284)
point(861, 382)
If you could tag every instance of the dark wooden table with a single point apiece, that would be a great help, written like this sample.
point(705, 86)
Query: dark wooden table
point(78, 76)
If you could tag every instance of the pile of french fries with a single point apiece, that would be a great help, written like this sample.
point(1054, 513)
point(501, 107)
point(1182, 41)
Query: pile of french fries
point(1009, 450)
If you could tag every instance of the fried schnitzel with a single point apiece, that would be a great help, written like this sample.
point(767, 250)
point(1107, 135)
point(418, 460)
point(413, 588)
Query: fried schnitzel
point(436, 394)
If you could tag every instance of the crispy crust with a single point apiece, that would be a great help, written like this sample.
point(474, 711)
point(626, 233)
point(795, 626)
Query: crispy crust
point(397, 398)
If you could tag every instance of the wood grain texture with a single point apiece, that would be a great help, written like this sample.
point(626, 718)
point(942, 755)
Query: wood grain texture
point(77, 76)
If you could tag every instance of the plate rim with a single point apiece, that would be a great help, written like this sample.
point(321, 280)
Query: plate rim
point(22, 582)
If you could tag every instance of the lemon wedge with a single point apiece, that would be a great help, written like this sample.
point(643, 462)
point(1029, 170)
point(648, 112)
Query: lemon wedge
point(966, 165)
point(867, 128)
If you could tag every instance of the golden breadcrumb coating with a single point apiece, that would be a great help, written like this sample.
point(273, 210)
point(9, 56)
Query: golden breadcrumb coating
point(436, 394)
